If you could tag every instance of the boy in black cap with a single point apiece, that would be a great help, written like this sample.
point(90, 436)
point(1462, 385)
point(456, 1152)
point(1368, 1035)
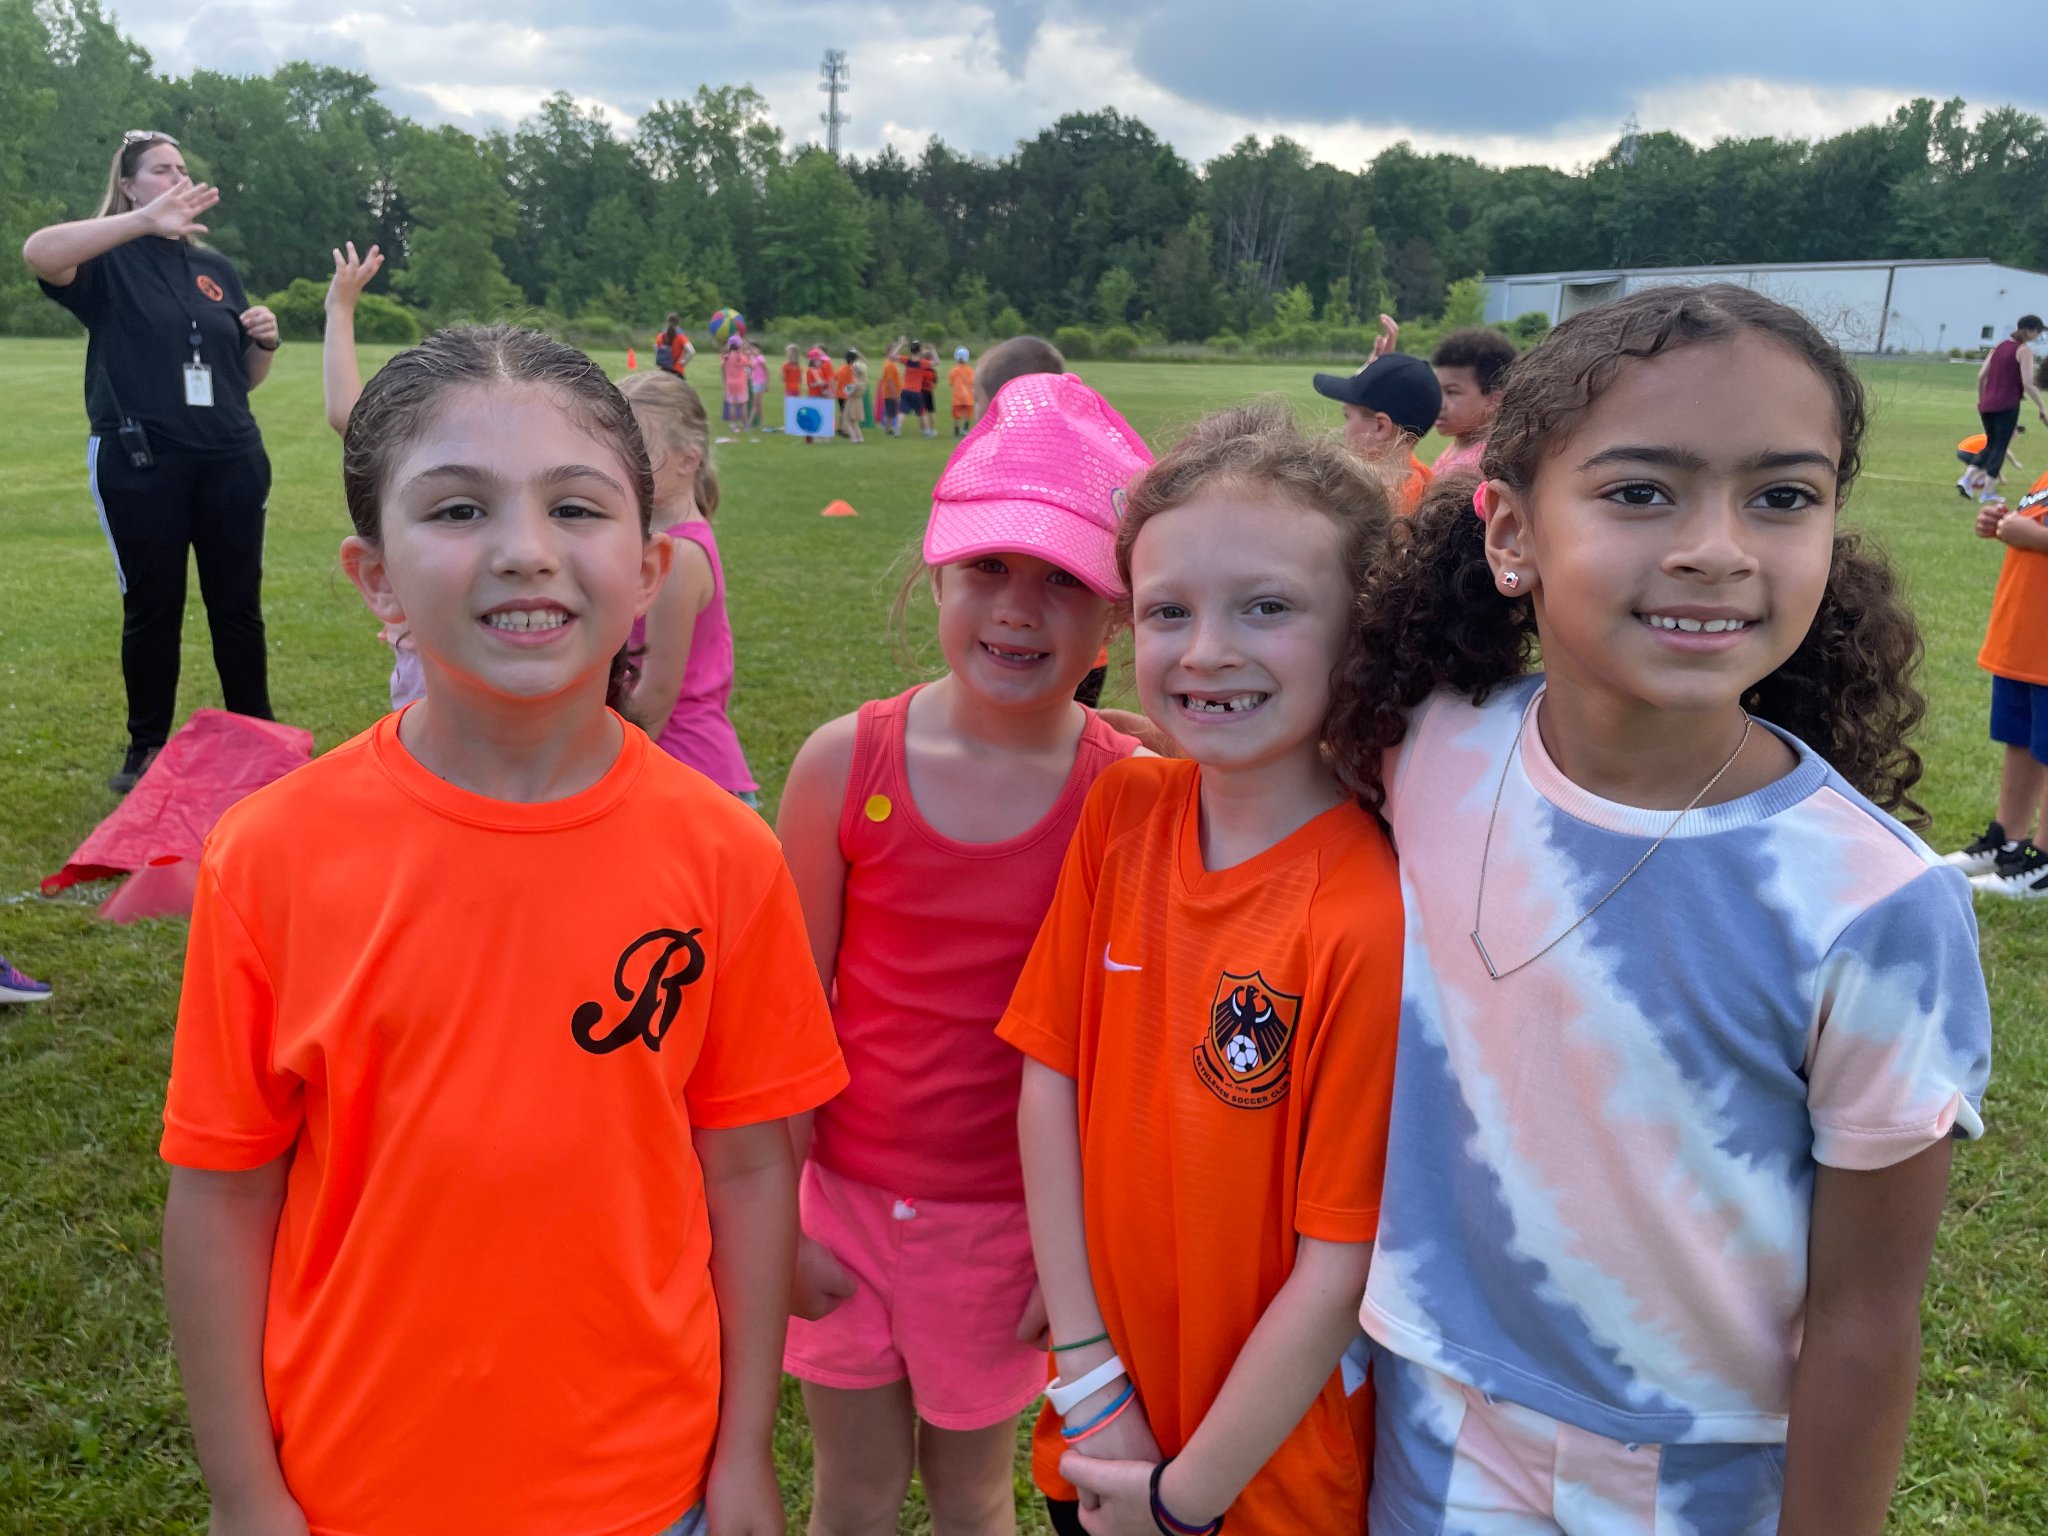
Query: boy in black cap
point(1388, 405)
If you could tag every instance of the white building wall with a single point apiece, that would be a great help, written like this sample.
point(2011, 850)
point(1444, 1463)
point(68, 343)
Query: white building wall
point(1932, 308)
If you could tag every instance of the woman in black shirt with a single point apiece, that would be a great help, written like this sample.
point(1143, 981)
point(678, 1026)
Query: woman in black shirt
point(175, 460)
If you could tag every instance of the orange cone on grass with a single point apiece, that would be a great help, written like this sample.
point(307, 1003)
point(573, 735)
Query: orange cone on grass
point(838, 509)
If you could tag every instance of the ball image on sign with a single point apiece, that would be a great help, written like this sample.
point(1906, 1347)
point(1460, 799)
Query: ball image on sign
point(727, 322)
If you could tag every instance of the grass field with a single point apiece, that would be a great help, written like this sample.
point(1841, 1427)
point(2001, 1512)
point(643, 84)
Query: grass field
point(92, 1429)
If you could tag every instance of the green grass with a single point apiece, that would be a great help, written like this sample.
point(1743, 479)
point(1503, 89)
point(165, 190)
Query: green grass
point(92, 1430)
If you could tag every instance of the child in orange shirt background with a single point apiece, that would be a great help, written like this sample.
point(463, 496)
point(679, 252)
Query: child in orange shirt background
point(1209, 1019)
point(482, 1211)
point(2006, 860)
point(960, 382)
point(889, 392)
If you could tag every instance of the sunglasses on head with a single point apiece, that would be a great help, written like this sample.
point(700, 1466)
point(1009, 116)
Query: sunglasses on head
point(148, 136)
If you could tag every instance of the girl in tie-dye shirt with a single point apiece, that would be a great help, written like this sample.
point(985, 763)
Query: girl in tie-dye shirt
point(1689, 1021)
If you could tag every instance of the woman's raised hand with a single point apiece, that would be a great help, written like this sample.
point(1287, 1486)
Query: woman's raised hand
point(352, 274)
point(175, 212)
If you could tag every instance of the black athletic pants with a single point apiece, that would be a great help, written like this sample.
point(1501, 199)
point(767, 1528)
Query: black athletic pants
point(1999, 427)
point(214, 509)
point(1064, 1515)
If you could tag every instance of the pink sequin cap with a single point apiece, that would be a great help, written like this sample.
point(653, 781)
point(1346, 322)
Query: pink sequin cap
point(1039, 475)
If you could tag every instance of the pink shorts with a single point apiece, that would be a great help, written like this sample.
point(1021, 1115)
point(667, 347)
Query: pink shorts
point(939, 1286)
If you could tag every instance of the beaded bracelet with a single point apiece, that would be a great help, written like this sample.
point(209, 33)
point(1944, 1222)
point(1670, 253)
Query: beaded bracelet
point(1102, 1419)
point(1100, 1338)
point(1164, 1519)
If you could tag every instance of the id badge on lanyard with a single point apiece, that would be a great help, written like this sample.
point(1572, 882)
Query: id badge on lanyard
point(198, 377)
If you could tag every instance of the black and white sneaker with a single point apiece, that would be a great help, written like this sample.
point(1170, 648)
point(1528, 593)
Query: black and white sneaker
point(2020, 875)
point(1981, 857)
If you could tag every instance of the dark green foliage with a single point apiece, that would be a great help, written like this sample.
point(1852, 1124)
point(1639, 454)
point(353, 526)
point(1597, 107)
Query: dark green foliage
point(1092, 222)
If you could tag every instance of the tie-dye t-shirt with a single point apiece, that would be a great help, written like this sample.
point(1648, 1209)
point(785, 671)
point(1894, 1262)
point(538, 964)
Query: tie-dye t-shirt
point(1600, 1176)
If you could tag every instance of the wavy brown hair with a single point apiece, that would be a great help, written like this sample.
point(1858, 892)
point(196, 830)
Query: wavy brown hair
point(399, 404)
point(1430, 616)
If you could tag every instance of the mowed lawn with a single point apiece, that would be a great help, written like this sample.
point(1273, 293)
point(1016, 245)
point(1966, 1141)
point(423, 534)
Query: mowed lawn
point(92, 1427)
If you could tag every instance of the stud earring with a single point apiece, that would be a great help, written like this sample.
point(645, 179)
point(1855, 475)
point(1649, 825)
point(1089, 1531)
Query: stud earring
point(1511, 580)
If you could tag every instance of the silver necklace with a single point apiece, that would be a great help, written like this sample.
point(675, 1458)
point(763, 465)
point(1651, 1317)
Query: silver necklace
point(1514, 750)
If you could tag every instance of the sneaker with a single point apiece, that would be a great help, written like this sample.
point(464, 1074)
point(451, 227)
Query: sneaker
point(18, 988)
point(2021, 874)
point(1981, 857)
point(133, 767)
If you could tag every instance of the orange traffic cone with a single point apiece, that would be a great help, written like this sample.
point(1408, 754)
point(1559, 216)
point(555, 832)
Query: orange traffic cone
point(630, 364)
point(164, 887)
point(838, 509)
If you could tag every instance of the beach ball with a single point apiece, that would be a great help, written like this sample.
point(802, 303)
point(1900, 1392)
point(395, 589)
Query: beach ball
point(727, 322)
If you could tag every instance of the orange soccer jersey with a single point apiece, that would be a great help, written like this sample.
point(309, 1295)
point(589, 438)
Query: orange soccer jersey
point(490, 1302)
point(1231, 1037)
point(2016, 639)
point(792, 378)
point(818, 381)
point(843, 382)
point(892, 380)
point(960, 380)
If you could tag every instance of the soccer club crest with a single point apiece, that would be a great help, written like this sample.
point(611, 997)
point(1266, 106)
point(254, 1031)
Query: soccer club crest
point(1246, 1056)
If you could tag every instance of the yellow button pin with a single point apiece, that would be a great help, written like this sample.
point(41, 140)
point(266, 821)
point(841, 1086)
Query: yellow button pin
point(878, 808)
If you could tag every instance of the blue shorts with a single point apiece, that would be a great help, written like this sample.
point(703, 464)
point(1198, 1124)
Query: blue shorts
point(691, 1524)
point(2019, 715)
point(1451, 1461)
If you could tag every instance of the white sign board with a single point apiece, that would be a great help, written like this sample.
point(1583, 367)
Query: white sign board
point(803, 416)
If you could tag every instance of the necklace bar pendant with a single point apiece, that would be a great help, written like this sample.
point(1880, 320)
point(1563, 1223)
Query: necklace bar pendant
point(1480, 945)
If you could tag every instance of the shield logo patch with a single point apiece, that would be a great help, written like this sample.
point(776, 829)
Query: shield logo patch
point(1246, 1055)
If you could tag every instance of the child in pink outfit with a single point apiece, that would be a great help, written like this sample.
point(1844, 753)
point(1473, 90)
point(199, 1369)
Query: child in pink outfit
point(918, 1334)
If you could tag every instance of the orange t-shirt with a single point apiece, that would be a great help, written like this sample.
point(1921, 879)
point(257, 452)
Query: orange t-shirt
point(960, 380)
point(892, 380)
point(2016, 639)
point(792, 378)
point(844, 379)
point(1216, 1128)
point(485, 1033)
point(1412, 489)
point(818, 381)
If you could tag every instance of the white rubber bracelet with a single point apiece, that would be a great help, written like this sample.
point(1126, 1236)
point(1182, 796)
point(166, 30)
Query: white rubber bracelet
point(1063, 1395)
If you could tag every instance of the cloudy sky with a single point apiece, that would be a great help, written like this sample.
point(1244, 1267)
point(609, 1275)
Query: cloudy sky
point(1509, 81)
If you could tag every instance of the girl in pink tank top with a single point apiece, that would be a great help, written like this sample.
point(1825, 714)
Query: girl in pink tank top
point(682, 649)
point(926, 834)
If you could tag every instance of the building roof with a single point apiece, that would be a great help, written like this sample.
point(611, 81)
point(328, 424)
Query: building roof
point(1611, 274)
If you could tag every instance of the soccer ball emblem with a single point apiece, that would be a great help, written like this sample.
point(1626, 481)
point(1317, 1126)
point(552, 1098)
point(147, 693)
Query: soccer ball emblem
point(1242, 1053)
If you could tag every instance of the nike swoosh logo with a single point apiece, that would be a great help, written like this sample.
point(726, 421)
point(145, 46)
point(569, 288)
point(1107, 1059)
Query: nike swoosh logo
point(1112, 965)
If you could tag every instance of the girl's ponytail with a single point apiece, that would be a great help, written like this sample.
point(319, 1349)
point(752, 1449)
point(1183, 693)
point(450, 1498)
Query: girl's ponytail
point(1428, 618)
point(1848, 692)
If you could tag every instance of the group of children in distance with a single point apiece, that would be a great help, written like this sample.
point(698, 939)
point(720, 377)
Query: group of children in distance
point(906, 389)
point(1593, 1037)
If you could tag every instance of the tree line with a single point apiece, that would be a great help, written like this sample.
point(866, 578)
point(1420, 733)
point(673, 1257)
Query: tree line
point(1095, 221)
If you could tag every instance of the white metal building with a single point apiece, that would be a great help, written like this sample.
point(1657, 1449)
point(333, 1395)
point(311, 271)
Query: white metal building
point(1864, 306)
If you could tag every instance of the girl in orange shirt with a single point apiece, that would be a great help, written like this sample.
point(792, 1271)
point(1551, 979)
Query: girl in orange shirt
point(492, 1173)
point(925, 833)
point(1209, 1019)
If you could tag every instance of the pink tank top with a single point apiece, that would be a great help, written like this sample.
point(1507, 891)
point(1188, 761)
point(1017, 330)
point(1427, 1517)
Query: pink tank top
point(698, 731)
point(934, 935)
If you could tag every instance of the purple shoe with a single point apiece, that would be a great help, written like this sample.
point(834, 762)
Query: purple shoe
point(17, 988)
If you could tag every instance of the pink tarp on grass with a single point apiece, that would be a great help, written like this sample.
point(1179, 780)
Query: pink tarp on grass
point(214, 760)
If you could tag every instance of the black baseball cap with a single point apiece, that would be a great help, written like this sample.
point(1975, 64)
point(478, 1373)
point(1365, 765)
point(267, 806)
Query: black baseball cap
point(1400, 387)
point(2030, 323)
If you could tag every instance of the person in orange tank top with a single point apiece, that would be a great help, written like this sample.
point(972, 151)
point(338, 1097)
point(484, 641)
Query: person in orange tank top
point(492, 1174)
point(2005, 859)
point(1209, 1019)
point(925, 833)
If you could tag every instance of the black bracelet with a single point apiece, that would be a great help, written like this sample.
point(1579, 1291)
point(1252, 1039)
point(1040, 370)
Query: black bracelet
point(1164, 1519)
point(271, 348)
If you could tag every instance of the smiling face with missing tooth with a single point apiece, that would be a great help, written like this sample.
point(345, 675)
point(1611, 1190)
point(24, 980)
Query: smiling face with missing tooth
point(1239, 608)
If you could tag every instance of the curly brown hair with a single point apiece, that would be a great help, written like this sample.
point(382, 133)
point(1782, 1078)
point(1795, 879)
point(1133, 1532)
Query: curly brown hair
point(1430, 616)
point(1260, 446)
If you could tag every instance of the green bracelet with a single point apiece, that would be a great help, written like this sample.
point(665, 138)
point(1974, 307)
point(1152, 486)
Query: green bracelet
point(1100, 1338)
